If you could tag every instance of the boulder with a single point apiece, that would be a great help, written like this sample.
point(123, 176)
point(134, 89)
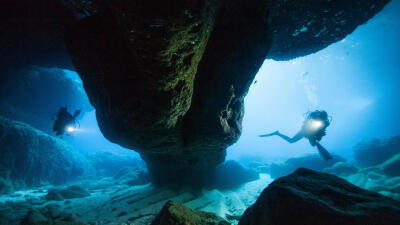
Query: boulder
point(35, 217)
point(111, 163)
point(311, 161)
point(375, 179)
point(392, 166)
point(383, 178)
point(132, 176)
point(29, 157)
point(168, 78)
point(73, 191)
point(373, 152)
point(310, 197)
point(54, 195)
point(232, 174)
point(341, 169)
point(226, 176)
point(51, 211)
point(177, 214)
point(7, 214)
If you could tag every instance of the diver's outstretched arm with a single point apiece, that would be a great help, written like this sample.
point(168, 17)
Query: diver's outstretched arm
point(294, 139)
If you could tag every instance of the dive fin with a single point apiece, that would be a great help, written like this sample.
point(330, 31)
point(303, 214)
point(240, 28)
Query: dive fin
point(323, 152)
point(76, 113)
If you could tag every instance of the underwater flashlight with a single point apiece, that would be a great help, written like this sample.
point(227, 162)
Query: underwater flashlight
point(315, 124)
point(70, 129)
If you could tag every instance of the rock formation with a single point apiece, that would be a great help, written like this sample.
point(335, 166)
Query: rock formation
point(29, 157)
point(391, 167)
point(309, 197)
point(373, 152)
point(168, 78)
point(132, 176)
point(341, 169)
point(177, 214)
point(73, 191)
point(311, 161)
point(301, 27)
point(109, 164)
point(231, 175)
point(49, 215)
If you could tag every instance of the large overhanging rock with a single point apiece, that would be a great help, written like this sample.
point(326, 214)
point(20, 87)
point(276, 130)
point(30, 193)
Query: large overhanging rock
point(138, 63)
point(303, 27)
point(168, 78)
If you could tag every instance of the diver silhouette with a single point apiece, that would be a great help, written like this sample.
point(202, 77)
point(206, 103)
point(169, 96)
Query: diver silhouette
point(65, 122)
point(314, 128)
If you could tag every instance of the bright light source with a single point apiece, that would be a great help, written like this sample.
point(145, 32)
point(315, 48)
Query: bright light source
point(70, 129)
point(315, 124)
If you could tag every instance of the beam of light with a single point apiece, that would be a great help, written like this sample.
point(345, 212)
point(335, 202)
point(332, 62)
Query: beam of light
point(315, 124)
point(71, 129)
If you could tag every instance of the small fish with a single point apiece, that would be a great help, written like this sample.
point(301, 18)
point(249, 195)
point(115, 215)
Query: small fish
point(255, 82)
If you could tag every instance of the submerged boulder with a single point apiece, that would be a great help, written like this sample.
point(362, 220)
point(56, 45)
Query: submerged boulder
point(73, 191)
point(43, 217)
point(375, 179)
point(341, 169)
point(392, 166)
point(228, 175)
point(29, 157)
point(312, 161)
point(34, 217)
point(132, 176)
point(383, 178)
point(177, 214)
point(373, 152)
point(111, 163)
point(232, 174)
point(309, 197)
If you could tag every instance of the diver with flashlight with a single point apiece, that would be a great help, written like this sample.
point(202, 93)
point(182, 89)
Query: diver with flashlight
point(314, 128)
point(65, 122)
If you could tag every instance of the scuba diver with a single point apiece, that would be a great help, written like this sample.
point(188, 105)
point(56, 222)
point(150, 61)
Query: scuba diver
point(65, 122)
point(314, 128)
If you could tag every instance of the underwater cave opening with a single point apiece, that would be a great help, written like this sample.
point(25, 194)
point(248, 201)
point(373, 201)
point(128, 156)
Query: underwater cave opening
point(88, 138)
point(355, 80)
